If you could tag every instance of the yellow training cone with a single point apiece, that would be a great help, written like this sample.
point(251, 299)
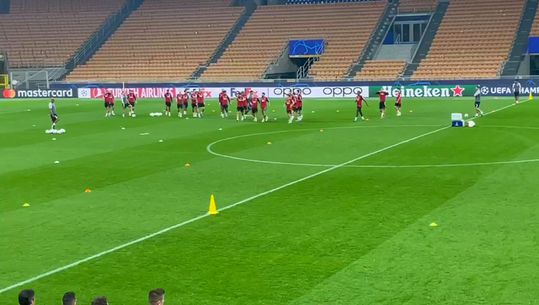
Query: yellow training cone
point(87, 190)
point(433, 224)
point(25, 205)
point(213, 207)
point(531, 96)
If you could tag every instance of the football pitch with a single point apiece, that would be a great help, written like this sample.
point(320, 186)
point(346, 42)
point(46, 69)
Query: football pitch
point(404, 210)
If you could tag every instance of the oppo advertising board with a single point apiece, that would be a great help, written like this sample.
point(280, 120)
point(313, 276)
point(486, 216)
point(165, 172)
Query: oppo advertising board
point(213, 92)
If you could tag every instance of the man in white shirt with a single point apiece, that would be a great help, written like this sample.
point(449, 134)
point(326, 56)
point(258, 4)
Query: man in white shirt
point(53, 113)
point(477, 96)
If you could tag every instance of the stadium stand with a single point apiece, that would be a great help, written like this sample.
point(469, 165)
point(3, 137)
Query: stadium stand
point(323, 1)
point(346, 27)
point(381, 70)
point(47, 33)
point(68, 6)
point(417, 6)
point(535, 27)
point(473, 41)
point(162, 41)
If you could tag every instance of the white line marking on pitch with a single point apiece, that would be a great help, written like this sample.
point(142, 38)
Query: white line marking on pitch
point(141, 239)
point(51, 272)
point(210, 150)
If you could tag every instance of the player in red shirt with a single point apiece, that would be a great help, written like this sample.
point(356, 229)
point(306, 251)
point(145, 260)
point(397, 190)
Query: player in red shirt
point(264, 101)
point(398, 103)
point(254, 107)
point(179, 102)
point(168, 102)
point(289, 103)
point(132, 100)
point(383, 95)
point(185, 102)
point(112, 104)
point(194, 106)
point(200, 103)
point(109, 103)
point(298, 105)
point(242, 106)
point(224, 100)
point(359, 103)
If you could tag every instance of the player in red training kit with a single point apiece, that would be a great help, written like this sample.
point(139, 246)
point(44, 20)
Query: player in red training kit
point(383, 95)
point(398, 103)
point(264, 101)
point(132, 100)
point(185, 102)
point(194, 106)
point(109, 103)
point(200, 103)
point(242, 106)
point(224, 100)
point(289, 103)
point(298, 105)
point(168, 102)
point(254, 107)
point(359, 102)
point(179, 102)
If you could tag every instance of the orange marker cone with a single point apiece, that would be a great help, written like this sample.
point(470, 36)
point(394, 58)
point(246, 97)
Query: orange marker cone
point(87, 190)
point(213, 207)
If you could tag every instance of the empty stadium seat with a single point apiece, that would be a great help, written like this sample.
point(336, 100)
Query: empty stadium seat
point(322, 1)
point(535, 26)
point(47, 33)
point(473, 40)
point(381, 70)
point(346, 28)
point(164, 40)
point(417, 6)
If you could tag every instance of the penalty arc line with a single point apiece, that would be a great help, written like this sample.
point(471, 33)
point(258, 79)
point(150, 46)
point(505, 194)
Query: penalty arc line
point(165, 230)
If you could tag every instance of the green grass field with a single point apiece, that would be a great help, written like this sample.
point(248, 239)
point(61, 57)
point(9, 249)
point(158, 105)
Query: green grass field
point(331, 212)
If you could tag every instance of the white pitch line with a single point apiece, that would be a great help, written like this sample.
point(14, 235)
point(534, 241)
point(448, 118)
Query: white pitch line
point(210, 150)
point(449, 164)
point(141, 239)
point(441, 165)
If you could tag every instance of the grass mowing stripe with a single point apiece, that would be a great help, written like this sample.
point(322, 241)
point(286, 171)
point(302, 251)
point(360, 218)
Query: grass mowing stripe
point(480, 254)
point(60, 269)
